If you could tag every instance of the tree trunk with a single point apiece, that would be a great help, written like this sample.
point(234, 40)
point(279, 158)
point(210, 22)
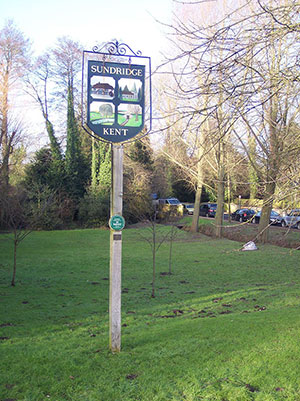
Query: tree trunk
point(15, 263)
point(153, 259)
point(264, 220)
point(229, 198)
point(221, 189)
point(274, 159)
point(153, 272)
point(4, 169)
point(170, 250)
point(195, 221)
point(253, 178)
point(220, 202)
point(4, 145)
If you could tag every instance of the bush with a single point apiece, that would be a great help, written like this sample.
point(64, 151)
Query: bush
point(94, 209)
point(37, 197)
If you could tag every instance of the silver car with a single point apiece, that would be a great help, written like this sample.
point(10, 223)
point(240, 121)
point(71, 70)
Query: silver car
point(275, 217)
point(292, 219)
point(188, 208)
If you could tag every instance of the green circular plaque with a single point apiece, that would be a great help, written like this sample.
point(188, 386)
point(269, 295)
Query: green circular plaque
point(117, 223)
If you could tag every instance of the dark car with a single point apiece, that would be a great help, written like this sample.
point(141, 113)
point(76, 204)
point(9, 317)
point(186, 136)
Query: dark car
point(275, 217)
point(208, 209)
point(243, 215)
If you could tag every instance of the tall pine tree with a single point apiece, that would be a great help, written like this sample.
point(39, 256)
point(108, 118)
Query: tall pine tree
point(66, 66)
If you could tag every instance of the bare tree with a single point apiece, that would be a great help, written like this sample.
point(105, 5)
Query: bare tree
point(155, 238)
point(66, 66)
point(243, 61)
point(14, 60)
point(270, 88)
point(20, 219)
point(38, 81)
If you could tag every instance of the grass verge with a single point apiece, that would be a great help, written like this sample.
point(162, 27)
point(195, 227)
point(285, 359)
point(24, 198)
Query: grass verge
point(225, 326)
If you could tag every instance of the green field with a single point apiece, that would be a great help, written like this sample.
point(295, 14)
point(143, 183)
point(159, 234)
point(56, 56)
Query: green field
point(225, 326)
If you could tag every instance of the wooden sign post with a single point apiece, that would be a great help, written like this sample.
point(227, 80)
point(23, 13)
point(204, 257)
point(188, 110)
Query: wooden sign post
point(116, 249)
point(115, 107)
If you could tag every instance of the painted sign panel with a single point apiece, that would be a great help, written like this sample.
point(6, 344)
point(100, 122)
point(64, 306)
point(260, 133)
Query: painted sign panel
point(115, 100)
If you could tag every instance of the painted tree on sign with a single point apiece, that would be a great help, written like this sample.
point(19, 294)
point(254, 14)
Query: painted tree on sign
point(106, 110)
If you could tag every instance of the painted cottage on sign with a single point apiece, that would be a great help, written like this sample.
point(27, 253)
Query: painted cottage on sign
point(103, 89)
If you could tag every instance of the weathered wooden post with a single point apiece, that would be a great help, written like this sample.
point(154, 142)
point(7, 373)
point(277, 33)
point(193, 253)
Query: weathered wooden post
point(116, 225)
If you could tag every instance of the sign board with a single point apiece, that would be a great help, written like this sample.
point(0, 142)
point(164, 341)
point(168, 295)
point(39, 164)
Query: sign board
point(117, 223)
point(115, 104)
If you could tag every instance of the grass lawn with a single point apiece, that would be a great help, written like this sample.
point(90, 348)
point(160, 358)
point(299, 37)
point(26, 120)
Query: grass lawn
point(225, 326)
point(133, 122)
point(95, 116)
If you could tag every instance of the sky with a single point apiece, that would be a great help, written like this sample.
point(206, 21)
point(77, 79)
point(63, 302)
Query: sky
point(90, 22)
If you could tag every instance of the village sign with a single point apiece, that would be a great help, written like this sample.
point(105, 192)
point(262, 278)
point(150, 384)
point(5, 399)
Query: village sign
point(115, 114)
point(115, 104)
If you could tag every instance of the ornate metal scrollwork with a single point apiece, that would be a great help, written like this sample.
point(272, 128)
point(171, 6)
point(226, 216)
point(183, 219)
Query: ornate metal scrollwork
point(122, 54)
point(117, 49)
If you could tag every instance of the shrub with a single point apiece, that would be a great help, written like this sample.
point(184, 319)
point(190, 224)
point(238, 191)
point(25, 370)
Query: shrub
point(94, 209)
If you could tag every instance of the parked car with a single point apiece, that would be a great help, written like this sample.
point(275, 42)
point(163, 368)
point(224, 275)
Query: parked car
point(292, 219)
point(188, 208)
point(168, 208)
point(208, 209)
point(275, 217)
point(169, 201)
point(243, 215)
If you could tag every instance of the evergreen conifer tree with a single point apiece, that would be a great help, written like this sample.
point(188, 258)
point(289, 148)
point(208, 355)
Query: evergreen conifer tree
point(76, 168)
point(101, 166)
